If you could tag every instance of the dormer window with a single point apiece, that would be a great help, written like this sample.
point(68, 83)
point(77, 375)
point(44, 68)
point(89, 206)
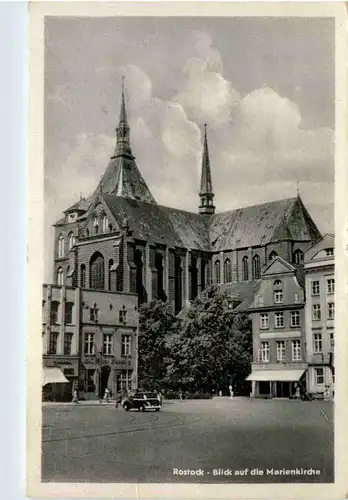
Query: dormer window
point(297, 257)
point(278, 292)
point(329, 252)
point(105, 224)
point(272, 255)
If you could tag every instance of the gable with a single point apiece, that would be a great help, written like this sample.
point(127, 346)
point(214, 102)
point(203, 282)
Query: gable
point(278, 266)
point(318, 251)
point(98, 209)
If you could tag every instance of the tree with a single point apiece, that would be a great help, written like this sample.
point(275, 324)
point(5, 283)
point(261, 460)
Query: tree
point(213, 347)
point(156, 324)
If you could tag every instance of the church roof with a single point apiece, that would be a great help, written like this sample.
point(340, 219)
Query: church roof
point(260, 224)
point(242, 291)
point(159, 224)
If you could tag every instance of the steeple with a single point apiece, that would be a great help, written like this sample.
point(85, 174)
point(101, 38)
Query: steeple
point(206, 191)
point(122, 176)
point(122, 131)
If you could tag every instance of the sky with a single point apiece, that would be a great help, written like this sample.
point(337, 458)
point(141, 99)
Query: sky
point(264, 86)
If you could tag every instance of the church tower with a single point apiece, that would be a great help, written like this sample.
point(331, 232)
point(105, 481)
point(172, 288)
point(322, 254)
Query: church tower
point(206, 194)
point(122, 176)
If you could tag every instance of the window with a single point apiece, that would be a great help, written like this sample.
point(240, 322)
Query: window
point(67, 343)
point(277, 283)
point(97, 272)
point(280, 350)
point(217, 271)
point(61, 246)
point(317, 343)
point(227, 271)
point(83, 276)
point(272, 255)
point(256, 267)
point(71, 240)
point(105, 224)
point(329, 252)
point(315, 288)
point(94, 313)
point(297, 257)
point(331, 310)
point(278, 296)
point(332, 340)
point(54, 312)
point(126, 345)
point(60, 276)
point(122, 316)
point(263, 321)
point(264, 352)
point(279, 320)
point(68, 312)
point(52, 348)
point(96, 225)
point(245, 269)
point(295, 318)
point(330, 284)
point(89, 344)
point(316, 312)
point(107, 345)
point(296, 350)
point(319, 376)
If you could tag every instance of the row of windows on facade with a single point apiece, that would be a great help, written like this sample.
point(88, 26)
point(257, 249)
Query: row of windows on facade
point(296, 354)
point(89, 344)
point(279, 319)
point(295, 316)
point(93, 313)
point(106, 227)
point(330, 286)
point(264, 351)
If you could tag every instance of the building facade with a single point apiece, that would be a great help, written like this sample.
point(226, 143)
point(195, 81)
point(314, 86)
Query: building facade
point(120, 240)
point(320, 315)
point(277, 312)
point(92, 337)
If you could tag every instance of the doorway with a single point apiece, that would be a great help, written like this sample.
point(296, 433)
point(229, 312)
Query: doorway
point(104, 379)
point(282, 389)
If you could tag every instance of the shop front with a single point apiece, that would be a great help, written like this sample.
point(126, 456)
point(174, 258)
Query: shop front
point(60, 377)
point(100, 373)
point(277, 383)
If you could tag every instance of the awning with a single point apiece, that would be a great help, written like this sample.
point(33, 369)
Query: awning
point(276, 375)
point(53, 376)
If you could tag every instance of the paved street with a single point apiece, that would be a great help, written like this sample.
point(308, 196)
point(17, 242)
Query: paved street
point(102, 444)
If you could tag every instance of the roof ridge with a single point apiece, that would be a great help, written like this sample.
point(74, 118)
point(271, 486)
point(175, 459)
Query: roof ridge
point(256, 205)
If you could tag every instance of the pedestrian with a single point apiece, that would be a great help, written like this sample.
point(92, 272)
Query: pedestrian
point(180, 396)
point(116, 400)
point(297, 392)
point(220, 394)
point(106, 395)
point(75, 398)
point(231, 391)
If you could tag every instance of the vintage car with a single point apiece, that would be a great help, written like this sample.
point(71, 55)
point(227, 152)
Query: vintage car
point(142, 401)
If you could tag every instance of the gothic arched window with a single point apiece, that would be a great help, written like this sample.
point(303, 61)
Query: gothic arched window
point(83, 276)
point(245, 269)
point(96, 224)
point(256, 267)
point(61, 246)
point(60, 276)
point(97, 272)
point(297, 257)
point(111, 263)
point(105, 224)
point(160, 276)
point(71, 240)
point(227, 271)
point(217, 271)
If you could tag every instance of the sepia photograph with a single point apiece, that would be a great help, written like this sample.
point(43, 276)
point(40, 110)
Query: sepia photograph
point(188, 267)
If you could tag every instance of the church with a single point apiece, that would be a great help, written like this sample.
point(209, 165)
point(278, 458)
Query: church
point(120, 240)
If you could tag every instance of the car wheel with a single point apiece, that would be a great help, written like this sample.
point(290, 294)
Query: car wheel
point(126, 407)
point(142, 408)
point(157, 409)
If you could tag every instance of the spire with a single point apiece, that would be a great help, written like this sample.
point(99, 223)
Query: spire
point(206, 191)
point(122, 131)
